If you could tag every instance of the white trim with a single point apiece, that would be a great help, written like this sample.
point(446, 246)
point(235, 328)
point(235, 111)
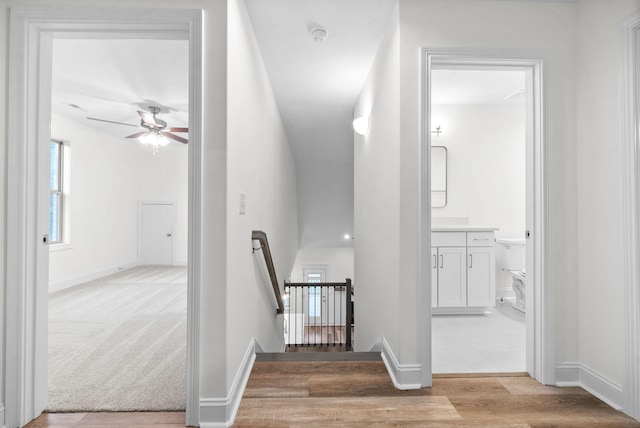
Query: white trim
point(630, 168)
point(540, 351)
point(81, 279)
point(568, 374)
point(578, 374)
point(221, 412)
point(403, 376)
point(30, 35)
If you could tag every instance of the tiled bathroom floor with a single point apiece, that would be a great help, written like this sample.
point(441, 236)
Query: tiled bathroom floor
point(490, 343)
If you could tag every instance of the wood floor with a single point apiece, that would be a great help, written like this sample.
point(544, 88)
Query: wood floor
point(109, 420)
point(360, 394)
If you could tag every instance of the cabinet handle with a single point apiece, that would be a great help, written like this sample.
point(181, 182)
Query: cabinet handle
point(435, 261)
point(441, 261)
point(471, 260)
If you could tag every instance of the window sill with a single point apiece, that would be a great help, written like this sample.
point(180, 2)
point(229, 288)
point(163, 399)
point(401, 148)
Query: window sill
point(60, 247)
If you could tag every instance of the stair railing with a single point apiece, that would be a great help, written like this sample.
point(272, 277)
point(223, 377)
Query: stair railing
point(318, 314)
point(261, 237)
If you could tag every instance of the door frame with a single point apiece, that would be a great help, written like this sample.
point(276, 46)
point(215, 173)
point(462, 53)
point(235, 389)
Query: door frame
point(630, 162)
point(540, 350)
point(141, 205)
point(29, 92)
point(322, 269)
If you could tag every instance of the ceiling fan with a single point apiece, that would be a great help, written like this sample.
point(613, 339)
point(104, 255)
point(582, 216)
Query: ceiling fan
point(155, 130)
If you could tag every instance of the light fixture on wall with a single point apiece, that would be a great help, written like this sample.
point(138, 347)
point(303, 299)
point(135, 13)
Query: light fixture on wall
point(438, 131)
point(361, 125)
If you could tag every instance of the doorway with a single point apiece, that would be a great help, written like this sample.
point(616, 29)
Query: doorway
point(539, 362)
point(478, 222)
point(31, 37)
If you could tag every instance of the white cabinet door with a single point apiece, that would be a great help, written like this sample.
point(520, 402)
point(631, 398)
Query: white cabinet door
point(452, 277)
point(480, 276)
point(434, 277)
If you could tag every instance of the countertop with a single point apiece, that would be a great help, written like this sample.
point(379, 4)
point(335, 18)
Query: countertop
point(464, 228)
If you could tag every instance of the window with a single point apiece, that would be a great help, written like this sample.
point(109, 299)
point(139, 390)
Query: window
point(56, 195)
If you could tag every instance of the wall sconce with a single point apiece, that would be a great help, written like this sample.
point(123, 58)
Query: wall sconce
point(361, 125)
point(438, 131)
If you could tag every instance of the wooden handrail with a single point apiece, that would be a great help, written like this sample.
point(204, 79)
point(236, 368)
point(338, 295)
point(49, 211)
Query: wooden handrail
point(260, 236)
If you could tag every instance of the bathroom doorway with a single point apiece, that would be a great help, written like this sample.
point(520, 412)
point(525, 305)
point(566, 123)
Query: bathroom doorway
point(487, 114)
point(478, 210)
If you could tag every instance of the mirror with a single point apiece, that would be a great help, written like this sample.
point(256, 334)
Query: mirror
point(438, 176)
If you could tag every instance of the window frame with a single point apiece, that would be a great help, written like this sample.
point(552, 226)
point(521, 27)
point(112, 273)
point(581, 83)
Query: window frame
point(63, 241)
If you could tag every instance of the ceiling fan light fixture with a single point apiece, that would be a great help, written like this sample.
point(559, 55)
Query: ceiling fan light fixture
point(155, 140)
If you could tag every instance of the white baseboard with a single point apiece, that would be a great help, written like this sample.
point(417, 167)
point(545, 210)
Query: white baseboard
point(181, 263)
point(221, 412)
point(403, 376)
point(80, 279)
point(577, 374)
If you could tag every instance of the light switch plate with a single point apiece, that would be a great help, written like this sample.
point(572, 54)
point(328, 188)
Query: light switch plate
point(243, 203)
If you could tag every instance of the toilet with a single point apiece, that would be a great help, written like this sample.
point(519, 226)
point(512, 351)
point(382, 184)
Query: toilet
point(511, 258)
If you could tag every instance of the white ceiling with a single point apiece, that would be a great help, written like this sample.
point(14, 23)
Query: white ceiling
point(111, 79)
point(315, 84)
point(477, 86)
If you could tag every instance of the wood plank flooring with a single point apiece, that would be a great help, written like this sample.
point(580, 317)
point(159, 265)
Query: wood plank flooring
point(360, 394)
point(109, 420)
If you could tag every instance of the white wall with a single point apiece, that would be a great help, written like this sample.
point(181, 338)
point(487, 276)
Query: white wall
point(163, 177)
point(109, 177)
point(547, 28)
point(339, 262)
point(485, 166)
point(103, 209)
point(377, 203)
point(260, 165)
point(600, 275)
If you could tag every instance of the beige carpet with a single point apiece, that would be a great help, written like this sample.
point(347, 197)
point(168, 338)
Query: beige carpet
point(119, 343)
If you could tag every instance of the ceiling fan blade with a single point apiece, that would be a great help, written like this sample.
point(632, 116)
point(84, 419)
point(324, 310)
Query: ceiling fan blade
point(177, 129)
point(137, 134)
point(174, 137)
point(111, 121)
point(147, 118)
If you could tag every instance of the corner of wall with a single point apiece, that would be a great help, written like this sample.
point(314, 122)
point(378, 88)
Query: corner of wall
point(404, 376)
point(221, 411)
point(577, 374)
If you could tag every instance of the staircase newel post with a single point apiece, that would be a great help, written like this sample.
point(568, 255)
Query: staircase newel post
point(348, 346)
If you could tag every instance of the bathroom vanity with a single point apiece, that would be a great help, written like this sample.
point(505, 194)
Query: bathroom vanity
point(462, 269)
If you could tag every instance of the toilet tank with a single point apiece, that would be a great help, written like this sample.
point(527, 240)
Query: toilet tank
point(510, 254)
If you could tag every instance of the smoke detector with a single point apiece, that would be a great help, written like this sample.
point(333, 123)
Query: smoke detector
point(318, 33)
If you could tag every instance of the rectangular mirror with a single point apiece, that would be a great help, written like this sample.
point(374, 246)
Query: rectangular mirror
point(438, 176)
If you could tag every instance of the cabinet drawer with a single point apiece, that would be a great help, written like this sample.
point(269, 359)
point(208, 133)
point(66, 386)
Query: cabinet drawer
point(448, 239)
point(480, 239)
